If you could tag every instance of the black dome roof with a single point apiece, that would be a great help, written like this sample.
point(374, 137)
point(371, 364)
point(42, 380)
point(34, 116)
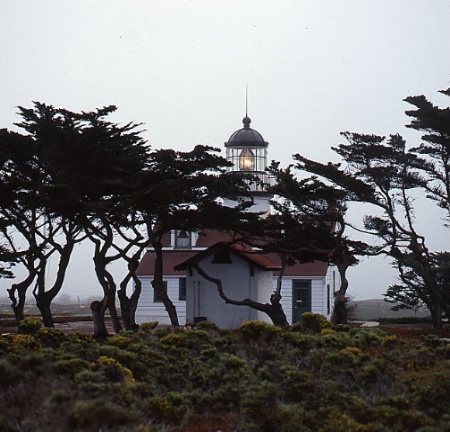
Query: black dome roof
point(246, 136)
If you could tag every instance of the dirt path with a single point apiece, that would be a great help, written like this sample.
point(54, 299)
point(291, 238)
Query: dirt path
point(66, 327)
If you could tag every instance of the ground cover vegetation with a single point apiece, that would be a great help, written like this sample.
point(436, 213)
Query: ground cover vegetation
point(257, 377)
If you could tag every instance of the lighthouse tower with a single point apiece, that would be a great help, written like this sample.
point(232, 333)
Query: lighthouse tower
point(247, 151)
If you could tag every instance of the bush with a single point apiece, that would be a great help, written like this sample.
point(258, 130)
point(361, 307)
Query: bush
point(148, 327)
point(70, 367)
point(315, 322)
point(254, 330)
point(112, 370)
point(30, 325)
point(9, 374)
point(33, 362)
point(207, 326)
point(97, 414)
point(261, 377)
point(51, 337)
point(297, 327)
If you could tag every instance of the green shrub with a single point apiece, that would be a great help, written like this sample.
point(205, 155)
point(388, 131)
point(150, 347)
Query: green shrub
point(368, 337)
point(297, 327)
point(30, 325)
point(235, 362)
point(57, 398)
point(193, 340)
point(338, 340)
point(207, 326)
point(341, 328)
point(82, 339)
point(98, 414)
point(117, 353)
point(148, 327)
point(209, 353)
point(228, 341)
point(255, 329)
point(6, 425)
point(162, 331)
point(4, 344)
point(159, 408)
point(70, 367)
point(315, 322)
point(112, 370)
point(432, 340)
point(33, 362)
point(258, 403)
point(51, 337)
point(26, 342)
point(9, 374)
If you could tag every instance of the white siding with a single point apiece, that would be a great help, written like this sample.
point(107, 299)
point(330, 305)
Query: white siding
point(148, 310)
point(318, 295)
point(203, 299)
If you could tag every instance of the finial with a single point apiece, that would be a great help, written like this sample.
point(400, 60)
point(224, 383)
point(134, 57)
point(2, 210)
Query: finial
point(246, 120)
point(246, 99)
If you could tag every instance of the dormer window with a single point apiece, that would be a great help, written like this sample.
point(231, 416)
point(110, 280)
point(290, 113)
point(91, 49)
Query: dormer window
point(182, 239)
point(222, 256)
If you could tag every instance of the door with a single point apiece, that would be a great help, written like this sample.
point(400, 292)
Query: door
point(301, 299)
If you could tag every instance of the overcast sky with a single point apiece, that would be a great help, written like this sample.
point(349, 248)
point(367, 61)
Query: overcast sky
point(313, 69)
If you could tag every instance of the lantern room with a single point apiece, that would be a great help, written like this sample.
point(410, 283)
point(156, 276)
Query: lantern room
point(247, 150)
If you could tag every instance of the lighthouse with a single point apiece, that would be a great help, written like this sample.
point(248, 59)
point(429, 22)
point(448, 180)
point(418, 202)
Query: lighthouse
point(246, 150)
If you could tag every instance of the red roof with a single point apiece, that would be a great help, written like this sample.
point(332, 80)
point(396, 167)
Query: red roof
point(210, 239)
point(173, 258)
point(262, 261)
point(314, 268)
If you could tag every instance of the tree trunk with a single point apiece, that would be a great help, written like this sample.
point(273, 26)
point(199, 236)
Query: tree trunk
point(43, 299)
point(158, 286)
point(276, 312)
point(113, 312)
point(98, 309)
point(340, 315)
point(170, 307)
point(436, 314)
point(128, 306)
point(125, 310)
point(107, 282)
point(18, 304)
point(43, 303)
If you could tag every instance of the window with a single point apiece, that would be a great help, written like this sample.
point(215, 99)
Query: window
point(182, 289)
point(156, 299)
point(182, 239)
point(246, 160)
point(222, 256)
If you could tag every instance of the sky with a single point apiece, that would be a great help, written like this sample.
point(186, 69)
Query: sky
point(313, 69)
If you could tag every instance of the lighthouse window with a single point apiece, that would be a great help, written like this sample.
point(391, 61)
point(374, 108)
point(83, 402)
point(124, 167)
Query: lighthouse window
point(246, 160)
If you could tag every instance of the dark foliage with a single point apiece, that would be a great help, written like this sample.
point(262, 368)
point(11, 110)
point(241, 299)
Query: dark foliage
point(257, 377)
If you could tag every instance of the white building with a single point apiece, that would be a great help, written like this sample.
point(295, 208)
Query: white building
point(305, 287)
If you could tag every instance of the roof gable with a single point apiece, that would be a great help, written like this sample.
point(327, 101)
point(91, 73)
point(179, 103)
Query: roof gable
point(262, 261)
